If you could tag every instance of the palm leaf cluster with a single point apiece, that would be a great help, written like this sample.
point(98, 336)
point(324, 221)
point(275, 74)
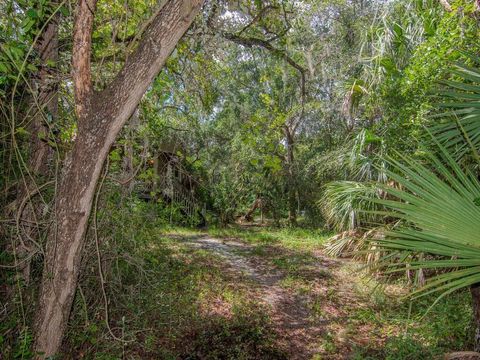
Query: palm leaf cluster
point(459, 126)
point(438, 200)
point(435, 201)
point(344, 204)
point(439, 205)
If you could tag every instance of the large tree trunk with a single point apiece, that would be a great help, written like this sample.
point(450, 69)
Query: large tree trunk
point(100, 118)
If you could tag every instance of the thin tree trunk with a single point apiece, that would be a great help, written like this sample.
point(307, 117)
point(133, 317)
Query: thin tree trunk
point(44, 105)
point(256, 205)
point(47, 99)
point(475, 291)
point(100, 118)
point(128, 167)
point(291, 183)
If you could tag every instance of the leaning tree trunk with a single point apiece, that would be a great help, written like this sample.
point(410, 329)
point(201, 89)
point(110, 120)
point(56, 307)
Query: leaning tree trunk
point(257, 204)
point(100, 116)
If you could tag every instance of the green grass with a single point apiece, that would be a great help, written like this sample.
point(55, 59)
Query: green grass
point(182, 304)
point(376, 320)
point(168, 300)
point(289, 238)
point(411, 334)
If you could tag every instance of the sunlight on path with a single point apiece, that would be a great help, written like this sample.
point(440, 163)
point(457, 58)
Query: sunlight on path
point(290, 315)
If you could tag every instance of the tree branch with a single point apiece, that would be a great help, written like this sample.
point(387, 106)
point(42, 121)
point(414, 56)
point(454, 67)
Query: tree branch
point(258, 17)
point(121, 97)
point(253, 41)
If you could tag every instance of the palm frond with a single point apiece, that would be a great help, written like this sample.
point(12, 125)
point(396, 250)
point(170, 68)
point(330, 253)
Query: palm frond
point(440, 210)
point(344, 204)
point(365, 161)
point(460, 130)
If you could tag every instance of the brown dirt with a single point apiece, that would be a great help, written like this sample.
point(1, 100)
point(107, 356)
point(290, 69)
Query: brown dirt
point(298, 332)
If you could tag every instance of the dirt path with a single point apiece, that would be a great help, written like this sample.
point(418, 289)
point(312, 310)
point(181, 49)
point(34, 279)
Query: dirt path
point(290, 314)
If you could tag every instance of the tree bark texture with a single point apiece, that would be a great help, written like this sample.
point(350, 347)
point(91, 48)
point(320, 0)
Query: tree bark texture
point(100, 116)
point(475, 291)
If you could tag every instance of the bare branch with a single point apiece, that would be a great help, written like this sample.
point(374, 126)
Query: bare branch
point(253, 41)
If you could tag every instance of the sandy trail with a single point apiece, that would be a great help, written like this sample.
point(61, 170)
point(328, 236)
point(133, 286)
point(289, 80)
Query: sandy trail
point(289, 312)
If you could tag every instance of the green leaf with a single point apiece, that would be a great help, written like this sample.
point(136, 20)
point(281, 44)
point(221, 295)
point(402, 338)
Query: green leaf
point(21, 131)
point(461, 132)
point(64, 10)
point(4, 67)
point(32, 13)
point(440, 213)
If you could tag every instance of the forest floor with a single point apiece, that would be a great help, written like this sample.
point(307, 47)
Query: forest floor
point(289, 312)
point(253, 293)
point(318, 307)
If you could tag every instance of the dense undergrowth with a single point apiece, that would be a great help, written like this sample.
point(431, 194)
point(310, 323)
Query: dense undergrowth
point(360, 117)
point(381, 322)
point(168, 300)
